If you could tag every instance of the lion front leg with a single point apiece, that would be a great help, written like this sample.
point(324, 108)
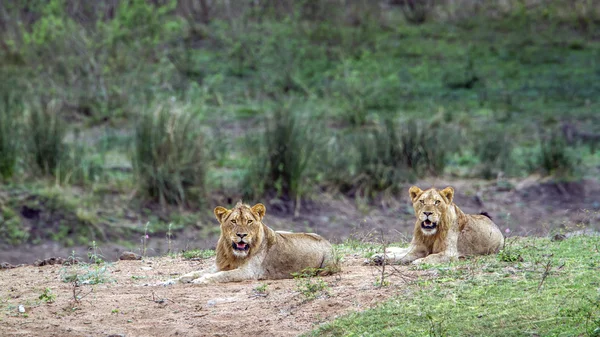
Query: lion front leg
point(391, 255)
point(436, 258)
point(400, 255)
point(189, 277)
point(448, 251)
point(235, 275)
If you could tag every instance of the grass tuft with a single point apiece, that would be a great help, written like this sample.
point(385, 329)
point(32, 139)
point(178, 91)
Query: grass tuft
point(11, 109)
point(46, 132)
point(281, 155)
point(168, 156)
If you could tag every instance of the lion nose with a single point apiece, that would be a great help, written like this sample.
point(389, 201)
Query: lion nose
point(427, 213)
point(241, 235)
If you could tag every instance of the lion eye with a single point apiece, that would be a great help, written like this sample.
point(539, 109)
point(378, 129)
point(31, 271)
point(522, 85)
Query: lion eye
point(437, 202)
point(233, 221)
point(249, 222)
point(422, 201)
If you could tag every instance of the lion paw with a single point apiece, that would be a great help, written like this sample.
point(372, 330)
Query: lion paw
point(377, 259)
point(201, 281)
point(188, 278)
point(168, 282)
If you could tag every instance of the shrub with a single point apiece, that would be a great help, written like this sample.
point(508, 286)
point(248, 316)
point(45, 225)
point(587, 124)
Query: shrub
point(381, 156)
point(415, 11)
point(10, 109)
point(46, 132)
point(556, 157)
point(168, 156)
point(281, 154)
point(493, 147)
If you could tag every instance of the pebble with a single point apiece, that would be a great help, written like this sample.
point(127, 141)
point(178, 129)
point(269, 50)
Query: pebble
point(21, 308)
point(129, 256)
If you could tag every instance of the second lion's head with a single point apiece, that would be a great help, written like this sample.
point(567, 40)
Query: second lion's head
point(431, 207)
point(241, 227)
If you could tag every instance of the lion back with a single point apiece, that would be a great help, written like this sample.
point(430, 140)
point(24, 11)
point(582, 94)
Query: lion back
point(480, 235)
point(295, 252)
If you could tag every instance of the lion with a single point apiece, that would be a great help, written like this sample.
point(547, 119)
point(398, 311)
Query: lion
point(443, 232)
point(249, 250)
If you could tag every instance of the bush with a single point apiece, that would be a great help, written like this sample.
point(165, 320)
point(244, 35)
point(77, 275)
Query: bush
point(556, 158)
point(10, 112)
point(46, 132)
point(493, 147)
point(379, 164)
point(280, 155)
point(384, 155)
point(168, 156)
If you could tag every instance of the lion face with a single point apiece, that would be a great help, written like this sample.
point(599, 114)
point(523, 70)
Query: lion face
point(242, 227)
point(430, 207)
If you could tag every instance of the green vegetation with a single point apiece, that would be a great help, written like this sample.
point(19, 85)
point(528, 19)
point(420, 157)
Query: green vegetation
point(261, 289)
point(309, 285)
point(47, 296)
point(143, 103)
point(168, 158)
point(79, 273)
point(550, 290)
point(198, 254)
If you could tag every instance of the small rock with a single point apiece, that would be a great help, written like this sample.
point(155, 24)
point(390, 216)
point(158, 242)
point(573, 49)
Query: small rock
point(6, 265)
point(129, 256)
point(49, 261)
point(211, 303)
point(146, 268)
point(21, 308)
point(559, 237)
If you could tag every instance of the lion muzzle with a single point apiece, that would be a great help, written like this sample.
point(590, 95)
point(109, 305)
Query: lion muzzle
point(241, 246)
point(428, 227)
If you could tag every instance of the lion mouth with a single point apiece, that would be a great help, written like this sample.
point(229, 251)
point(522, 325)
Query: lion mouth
point(240, 246)
point(428, 225)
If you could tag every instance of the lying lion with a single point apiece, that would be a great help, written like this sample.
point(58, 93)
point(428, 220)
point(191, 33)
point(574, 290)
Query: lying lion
point(443, 232)
point(248, 249)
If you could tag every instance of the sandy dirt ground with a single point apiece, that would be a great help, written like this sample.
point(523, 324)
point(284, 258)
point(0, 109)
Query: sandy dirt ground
point(127, 307)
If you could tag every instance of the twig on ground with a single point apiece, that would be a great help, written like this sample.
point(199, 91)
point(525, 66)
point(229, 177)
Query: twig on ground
point(545, 273)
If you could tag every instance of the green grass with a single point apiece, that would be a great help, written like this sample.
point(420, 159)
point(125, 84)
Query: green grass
point(487, 297)
point(198, 254)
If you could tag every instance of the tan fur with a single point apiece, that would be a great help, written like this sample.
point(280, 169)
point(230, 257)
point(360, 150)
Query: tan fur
point(270, 254)
point(454, 233)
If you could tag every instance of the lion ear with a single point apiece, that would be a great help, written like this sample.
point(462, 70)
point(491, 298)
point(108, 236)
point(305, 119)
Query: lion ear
point(221, 212)
point(448, 193)
point(260, 210)
point(414, 192)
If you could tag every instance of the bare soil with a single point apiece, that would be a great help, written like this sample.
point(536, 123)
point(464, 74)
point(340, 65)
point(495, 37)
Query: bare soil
point(126, 307)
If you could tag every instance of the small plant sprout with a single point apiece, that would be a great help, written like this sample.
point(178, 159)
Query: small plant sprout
point(309, 285)
point(93, 255)
point(169, 241)
point(261, 289)
point(47, 296)
point(145, 239)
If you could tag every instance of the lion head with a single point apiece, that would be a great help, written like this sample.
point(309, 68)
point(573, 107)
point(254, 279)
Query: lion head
point(241, 228)
point(431, 208)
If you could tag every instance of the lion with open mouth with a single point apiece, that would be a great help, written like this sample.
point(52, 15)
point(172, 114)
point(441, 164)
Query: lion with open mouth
point(443, 232)
point(248, 249)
